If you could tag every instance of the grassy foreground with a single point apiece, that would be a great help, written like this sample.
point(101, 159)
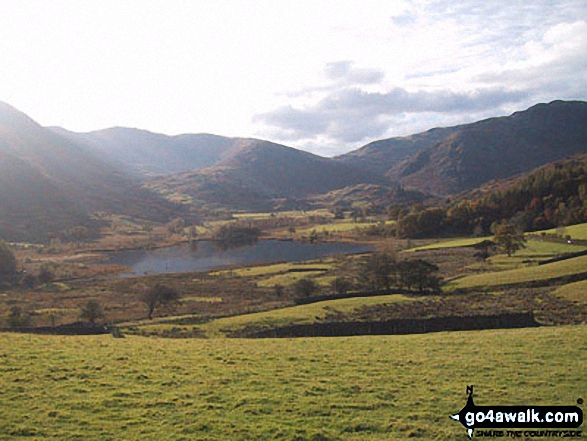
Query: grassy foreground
point(362, 388)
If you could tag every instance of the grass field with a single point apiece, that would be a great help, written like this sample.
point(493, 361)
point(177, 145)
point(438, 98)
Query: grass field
point(534, 251)
point(533, 246)
point(339, 227)
point(565, 268)
point(451, 243)
point(301, 314)
point(362, 388)
point(277, 268)
point(578, 231)
point(575, 292)
point(287, 214)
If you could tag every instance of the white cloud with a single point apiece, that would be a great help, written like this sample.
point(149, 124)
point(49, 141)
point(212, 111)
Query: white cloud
point(352, 115)
point(452, 62)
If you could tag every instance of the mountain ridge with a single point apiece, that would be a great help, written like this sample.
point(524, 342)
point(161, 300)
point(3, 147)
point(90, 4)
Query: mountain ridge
point(51, 177)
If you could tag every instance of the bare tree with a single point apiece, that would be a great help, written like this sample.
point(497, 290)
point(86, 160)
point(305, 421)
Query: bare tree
point(159, 295)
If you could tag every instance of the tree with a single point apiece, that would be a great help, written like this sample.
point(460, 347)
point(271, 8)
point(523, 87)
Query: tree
point(79, 234)
point(147, 227)
point(233, 236)
point(7, 264)
point(509, 237)
point(378, 272)
point(176, 226)
point(340, 286)
point(419, 274)
point(314, 236)
point(192, 233)
point(92, 311)
point(305, 288)
point(279, 291)
point(45, 275)
point(17, 318)
point(159, 295)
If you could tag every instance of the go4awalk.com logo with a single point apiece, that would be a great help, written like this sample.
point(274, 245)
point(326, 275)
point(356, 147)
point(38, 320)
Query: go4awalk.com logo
point(520, 421)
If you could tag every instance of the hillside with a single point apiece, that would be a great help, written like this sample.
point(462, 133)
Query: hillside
point(48, 183)
point(387, 156)
point(245, 174)
point(549, 196)
point(499, 148)
point(154, 153)
point(260, 175)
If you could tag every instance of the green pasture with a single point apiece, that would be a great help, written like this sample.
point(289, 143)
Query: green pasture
point(578, 231)
point(361, 388)
point(575, 292)
point(339, 227)
point(288, 279)
point(535, 250)
point(286, 214)
point(285, 274)
point(451, 243)
point(293, 315)
point(535, 245)
point(277, 268)
point(564, 268)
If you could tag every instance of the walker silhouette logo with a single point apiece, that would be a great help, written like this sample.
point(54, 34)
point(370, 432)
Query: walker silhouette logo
point(475, 417)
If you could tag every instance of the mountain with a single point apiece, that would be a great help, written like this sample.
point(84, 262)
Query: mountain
point(261, 175)
point(499, 148)
point(451, 160)
point(153, 153)
point(48, 183)
point(387, 156)
point(52, 179)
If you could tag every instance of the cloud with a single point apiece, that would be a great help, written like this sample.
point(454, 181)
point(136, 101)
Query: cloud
point(552, 66)
point(344, 72)
point(407, 18)
point(440, 63)
point(352, 115)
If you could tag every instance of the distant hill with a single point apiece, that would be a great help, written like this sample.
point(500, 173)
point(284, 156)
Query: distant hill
point(260, 175)
point(52, 179)
point(49, 183)
point(387, 156)
point(450, 160)
point(153, 153)
point(499, 148)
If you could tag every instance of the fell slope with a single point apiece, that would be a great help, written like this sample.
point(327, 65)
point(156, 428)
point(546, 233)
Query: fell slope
point(499, 148)
point(387, 156)
point(257, 173)
point(48, 183)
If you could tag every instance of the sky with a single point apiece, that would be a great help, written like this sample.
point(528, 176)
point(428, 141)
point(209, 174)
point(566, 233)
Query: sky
point(323, 76)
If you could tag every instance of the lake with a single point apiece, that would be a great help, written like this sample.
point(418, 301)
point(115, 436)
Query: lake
point(207, 255)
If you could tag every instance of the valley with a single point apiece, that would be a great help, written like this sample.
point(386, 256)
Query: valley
point(191, 254)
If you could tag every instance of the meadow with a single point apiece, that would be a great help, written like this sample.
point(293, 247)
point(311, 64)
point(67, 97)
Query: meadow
point(360, 388)
point(293, 315)
point(570, 268)
point(578, 231)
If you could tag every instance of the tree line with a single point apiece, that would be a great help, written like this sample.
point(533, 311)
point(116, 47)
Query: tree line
point(378, 273)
